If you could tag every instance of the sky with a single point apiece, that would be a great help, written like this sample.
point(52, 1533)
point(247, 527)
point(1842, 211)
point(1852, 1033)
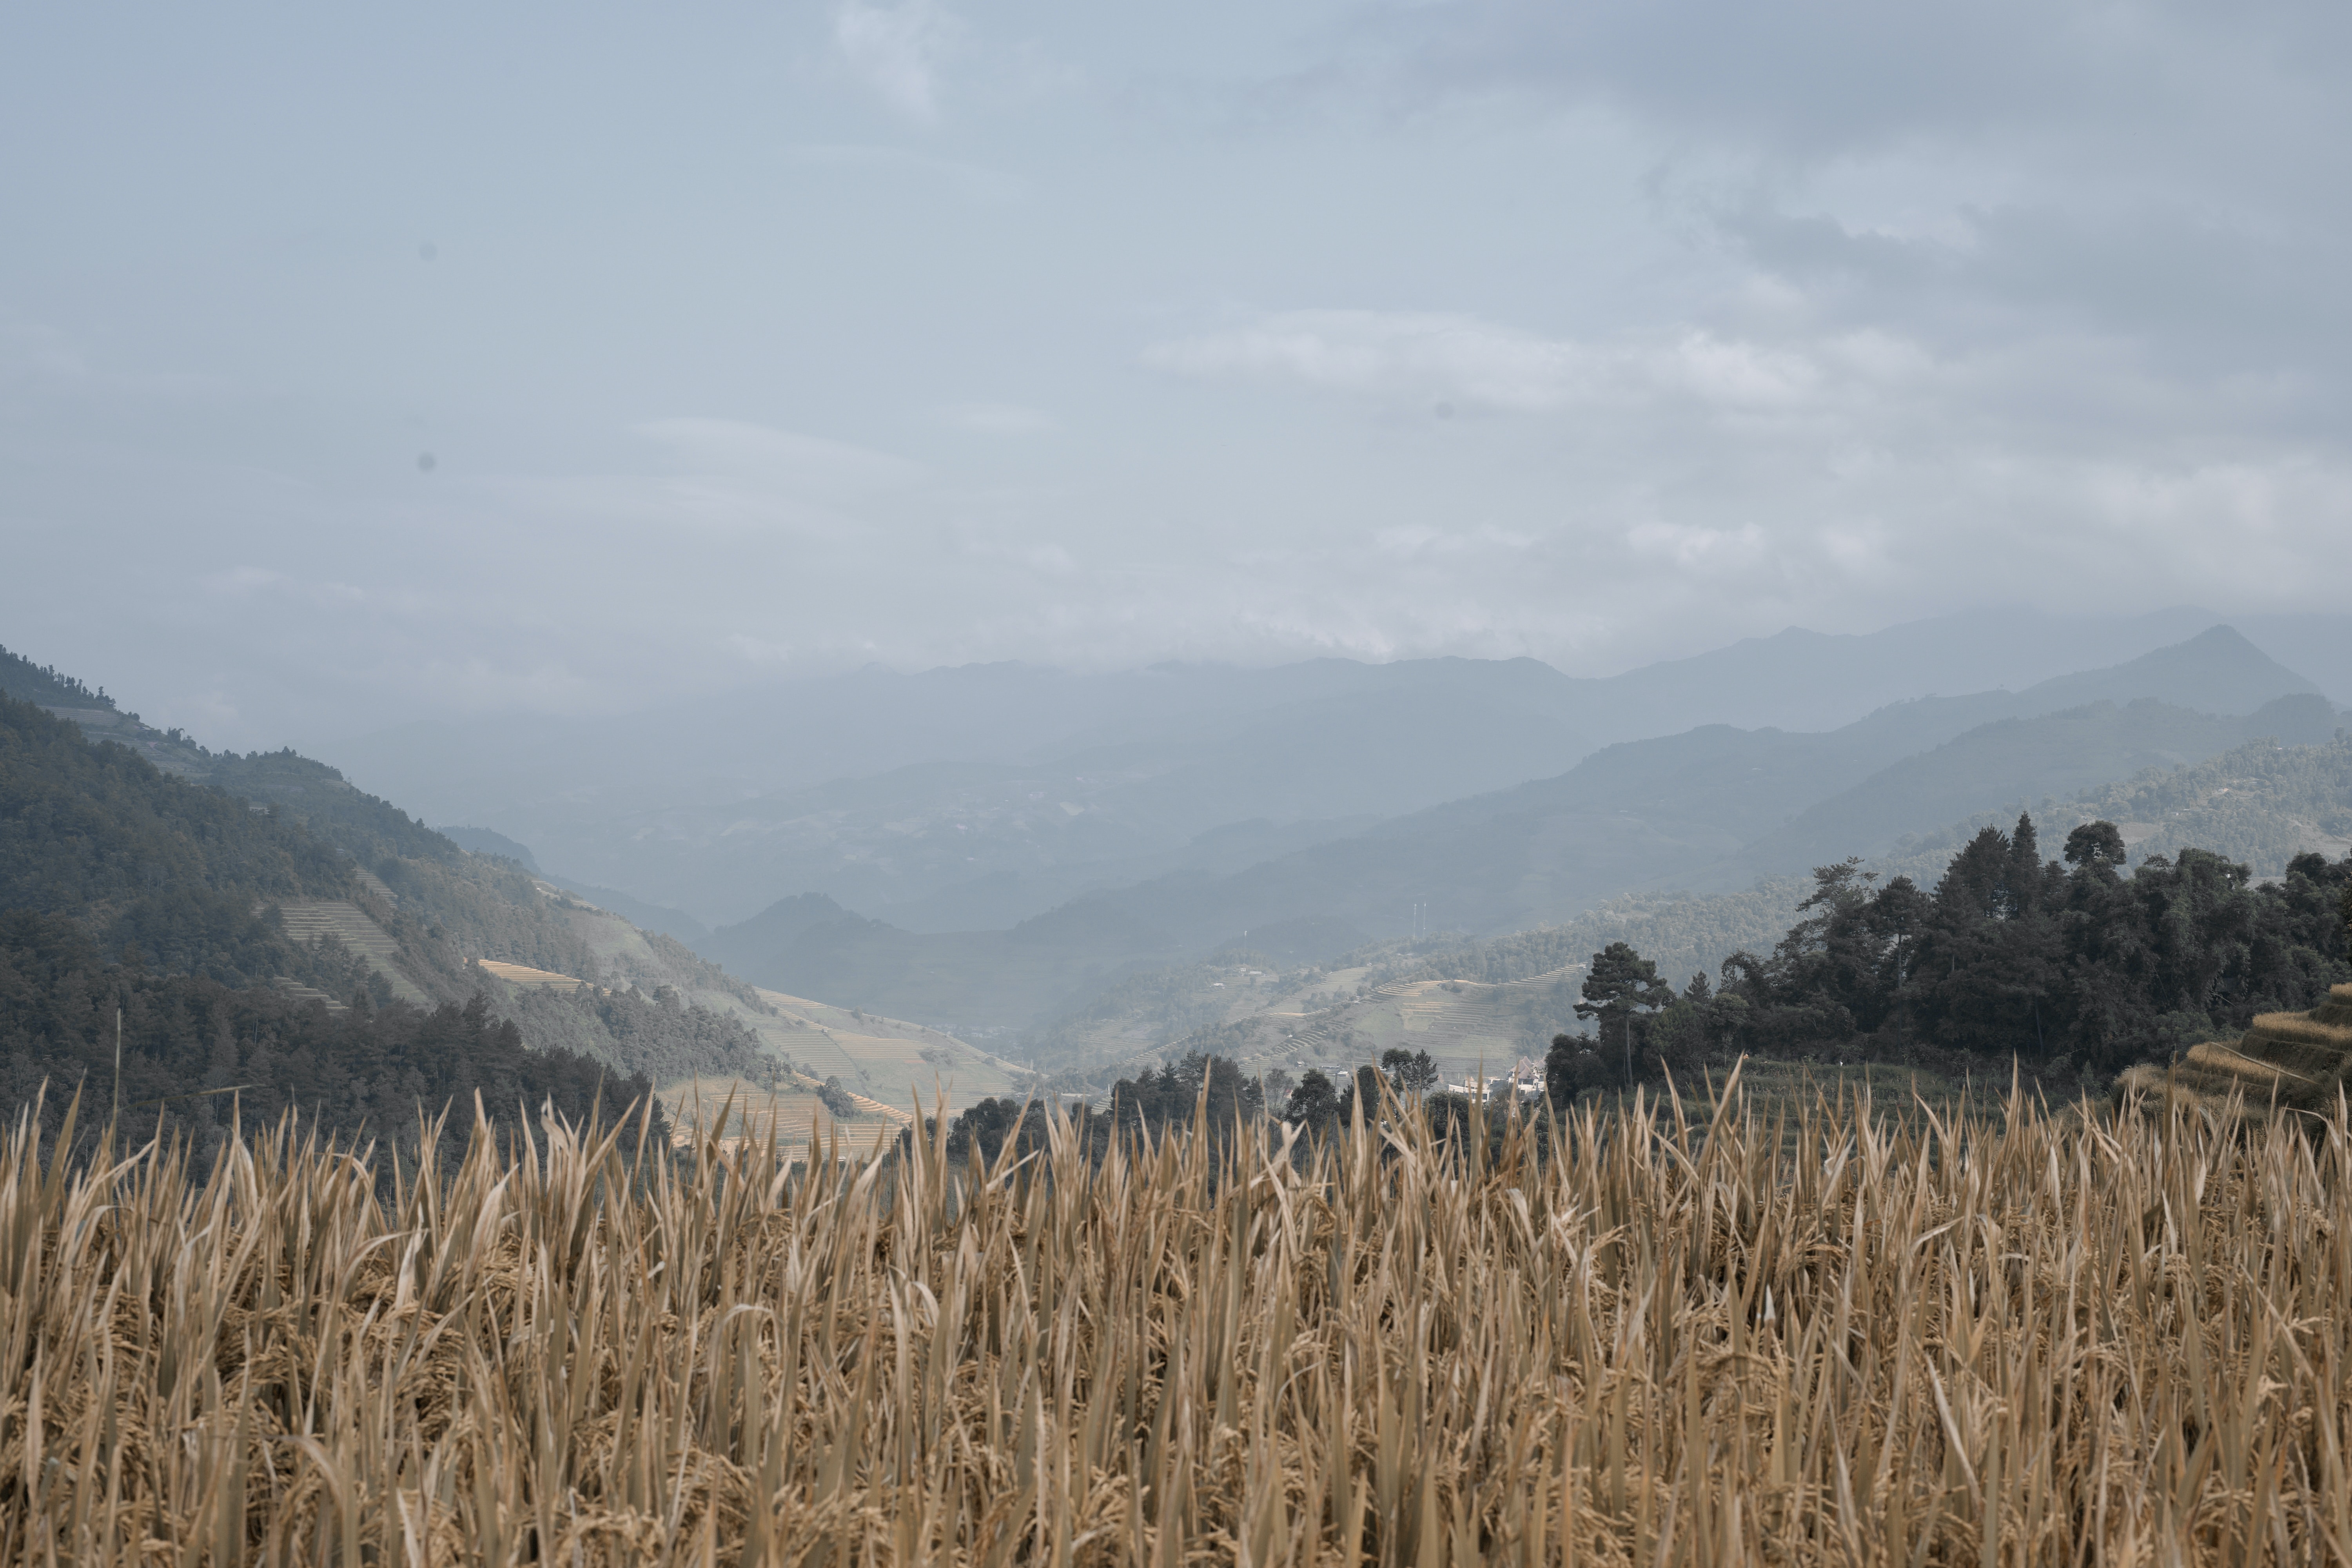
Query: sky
point(362, 365)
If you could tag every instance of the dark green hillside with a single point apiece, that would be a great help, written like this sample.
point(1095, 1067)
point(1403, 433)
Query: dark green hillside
point(357, 823)
point(482, 841)
point(455, 907)
point(142, 860)
point(183, 1035)
point(470, 906)
point(28, 682)
point(197, 876)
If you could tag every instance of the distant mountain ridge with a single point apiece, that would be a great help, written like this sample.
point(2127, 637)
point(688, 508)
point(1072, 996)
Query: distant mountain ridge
point(1713, 807)
point(2055, 755)
point(978, 797)
point(2216, 671)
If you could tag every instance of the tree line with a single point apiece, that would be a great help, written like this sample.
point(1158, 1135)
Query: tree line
point(2073, 965)
point(2069, 963)
point(186, 1055)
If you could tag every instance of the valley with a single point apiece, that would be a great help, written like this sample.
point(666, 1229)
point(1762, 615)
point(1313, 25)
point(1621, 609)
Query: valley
point(1710, 811)
point(1299, 938)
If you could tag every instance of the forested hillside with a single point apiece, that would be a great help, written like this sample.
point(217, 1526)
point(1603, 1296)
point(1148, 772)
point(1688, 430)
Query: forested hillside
point(2261, 803)
point(22, 679)
point(143, 860)
point(174, 900)
point(194, 1054)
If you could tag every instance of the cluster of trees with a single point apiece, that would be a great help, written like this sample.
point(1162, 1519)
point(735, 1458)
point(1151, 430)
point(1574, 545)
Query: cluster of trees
point(662, 1037)
point(1320, 1105)
point(21, 677)
point(2067, 962)
point(1151, 1102)
point(194, 1052)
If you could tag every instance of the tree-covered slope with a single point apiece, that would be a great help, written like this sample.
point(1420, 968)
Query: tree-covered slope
point(2052, 756)
point(187, 1055)
point(2261, 803)
point(22, 679)
point(143, 859)
point(196, 874)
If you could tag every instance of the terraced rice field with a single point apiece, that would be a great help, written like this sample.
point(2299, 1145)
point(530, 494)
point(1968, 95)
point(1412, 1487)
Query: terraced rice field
point(737, 1108)
point(536, 979)
point(308, 919)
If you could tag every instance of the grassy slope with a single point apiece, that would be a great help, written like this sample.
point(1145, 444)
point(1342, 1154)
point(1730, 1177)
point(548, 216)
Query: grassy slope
point(884, 1058)
point(882, 1062)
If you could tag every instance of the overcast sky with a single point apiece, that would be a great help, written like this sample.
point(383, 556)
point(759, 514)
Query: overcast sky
point(358, 364)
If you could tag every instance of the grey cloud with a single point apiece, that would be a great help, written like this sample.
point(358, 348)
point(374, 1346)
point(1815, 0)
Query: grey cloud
point(1816, 77)
point(978, 339)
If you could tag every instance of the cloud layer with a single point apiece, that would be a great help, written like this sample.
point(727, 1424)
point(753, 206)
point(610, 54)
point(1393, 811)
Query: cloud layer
point(759, 346)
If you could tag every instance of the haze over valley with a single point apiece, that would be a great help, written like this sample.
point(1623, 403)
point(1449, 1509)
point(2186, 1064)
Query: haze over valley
point(1065, 838)
point(1068, 828)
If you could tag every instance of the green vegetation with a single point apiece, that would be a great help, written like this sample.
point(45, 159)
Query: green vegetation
point(28, 682)
point(127, 886)
point(2261, 805)
point(835, 1099)
point(147, 862)
point(195, 1054)
point(2011, 953)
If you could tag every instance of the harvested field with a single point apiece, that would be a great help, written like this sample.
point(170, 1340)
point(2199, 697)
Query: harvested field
point(522, 974)
point(1843, 1337)
point(2296, 1064)
point(882, 1059)
point(696, 1107)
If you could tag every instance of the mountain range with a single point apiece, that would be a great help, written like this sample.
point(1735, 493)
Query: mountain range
point(979, 796)
point(1711, 809)
point(1296, 812)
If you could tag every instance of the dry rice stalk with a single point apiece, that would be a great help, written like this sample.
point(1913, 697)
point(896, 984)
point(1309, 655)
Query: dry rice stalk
point(1832, 1336)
